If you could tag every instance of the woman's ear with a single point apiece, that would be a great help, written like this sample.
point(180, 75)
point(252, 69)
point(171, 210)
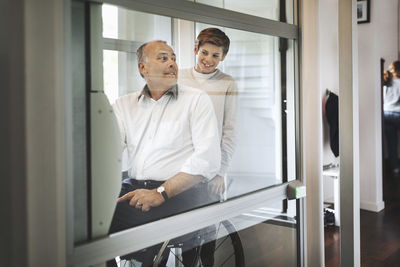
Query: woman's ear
point(195, 50)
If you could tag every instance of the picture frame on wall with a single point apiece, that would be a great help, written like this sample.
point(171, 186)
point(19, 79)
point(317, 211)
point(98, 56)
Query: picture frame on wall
point(363, 11)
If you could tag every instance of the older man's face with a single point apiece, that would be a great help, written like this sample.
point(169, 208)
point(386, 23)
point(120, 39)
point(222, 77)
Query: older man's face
point(159, 66)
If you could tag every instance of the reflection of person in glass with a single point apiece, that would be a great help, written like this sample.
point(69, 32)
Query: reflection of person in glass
point(171, 136)
point(211, 48)
point(391, 113)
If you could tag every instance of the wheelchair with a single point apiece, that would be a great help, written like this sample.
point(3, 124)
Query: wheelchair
point(227, 250)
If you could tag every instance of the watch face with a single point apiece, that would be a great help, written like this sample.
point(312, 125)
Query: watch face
point(160, 189)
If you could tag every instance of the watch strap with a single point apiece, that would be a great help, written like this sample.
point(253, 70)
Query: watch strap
point(161, 190)
point(165, 196)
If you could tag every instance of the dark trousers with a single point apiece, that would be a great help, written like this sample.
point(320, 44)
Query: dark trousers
point(392, 125)
point(126, 216)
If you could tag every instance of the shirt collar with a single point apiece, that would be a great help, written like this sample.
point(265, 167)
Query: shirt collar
point(171, 91)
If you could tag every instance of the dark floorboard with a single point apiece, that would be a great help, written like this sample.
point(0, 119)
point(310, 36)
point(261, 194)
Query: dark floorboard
point(380, 232)
point(332, 246)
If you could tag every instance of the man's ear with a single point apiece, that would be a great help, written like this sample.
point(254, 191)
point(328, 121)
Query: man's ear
point(142, 68)
point(195, 50)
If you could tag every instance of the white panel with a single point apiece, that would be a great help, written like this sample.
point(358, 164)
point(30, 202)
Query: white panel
point(105, 162)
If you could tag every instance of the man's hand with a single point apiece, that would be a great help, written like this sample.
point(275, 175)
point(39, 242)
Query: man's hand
point(143, 199)
point(217, 185)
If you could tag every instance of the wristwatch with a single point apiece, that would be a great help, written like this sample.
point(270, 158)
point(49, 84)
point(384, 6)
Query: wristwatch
point(161, 190)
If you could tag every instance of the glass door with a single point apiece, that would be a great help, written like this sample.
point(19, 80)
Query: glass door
point(252, 221)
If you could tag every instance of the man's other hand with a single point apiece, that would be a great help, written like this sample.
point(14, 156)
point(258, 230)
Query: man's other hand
point(143, 199)
point(217, 185)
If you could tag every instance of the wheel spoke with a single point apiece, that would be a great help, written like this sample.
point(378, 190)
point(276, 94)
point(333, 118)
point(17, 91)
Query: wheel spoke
point(226, 237)
point(225, 261)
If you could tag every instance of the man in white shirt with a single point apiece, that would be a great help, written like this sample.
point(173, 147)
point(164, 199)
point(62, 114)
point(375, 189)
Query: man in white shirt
point(172, 139)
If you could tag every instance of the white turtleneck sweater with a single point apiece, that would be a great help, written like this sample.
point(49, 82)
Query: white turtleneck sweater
point(222, 90)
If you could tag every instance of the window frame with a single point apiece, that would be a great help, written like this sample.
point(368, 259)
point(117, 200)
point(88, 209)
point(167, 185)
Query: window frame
point(103, 249)
point(192, 11)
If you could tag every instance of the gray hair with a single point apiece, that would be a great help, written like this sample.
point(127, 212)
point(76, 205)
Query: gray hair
point(140, 51)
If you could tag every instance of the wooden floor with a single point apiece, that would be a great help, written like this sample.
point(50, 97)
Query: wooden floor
point(380, 232)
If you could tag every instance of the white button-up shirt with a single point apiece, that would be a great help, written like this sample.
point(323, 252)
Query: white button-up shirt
point(177, 133)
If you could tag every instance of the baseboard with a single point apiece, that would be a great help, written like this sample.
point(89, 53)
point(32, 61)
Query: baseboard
point(329, 199)
point(372, 206)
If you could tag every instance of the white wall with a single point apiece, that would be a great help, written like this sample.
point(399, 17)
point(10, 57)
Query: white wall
point(375, 40)
point(329, 76)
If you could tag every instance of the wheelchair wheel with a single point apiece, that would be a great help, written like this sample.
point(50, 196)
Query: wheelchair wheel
point(227, 250)
point(162, 255)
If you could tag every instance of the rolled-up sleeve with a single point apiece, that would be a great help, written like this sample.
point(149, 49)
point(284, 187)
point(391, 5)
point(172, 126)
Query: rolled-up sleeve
point(206, 158)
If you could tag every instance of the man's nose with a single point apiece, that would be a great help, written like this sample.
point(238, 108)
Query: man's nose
point(171, 64)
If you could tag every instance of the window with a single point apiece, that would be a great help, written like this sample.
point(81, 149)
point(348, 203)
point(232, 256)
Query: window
point(123, 32)
point(262, 62)
point(253, 61)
